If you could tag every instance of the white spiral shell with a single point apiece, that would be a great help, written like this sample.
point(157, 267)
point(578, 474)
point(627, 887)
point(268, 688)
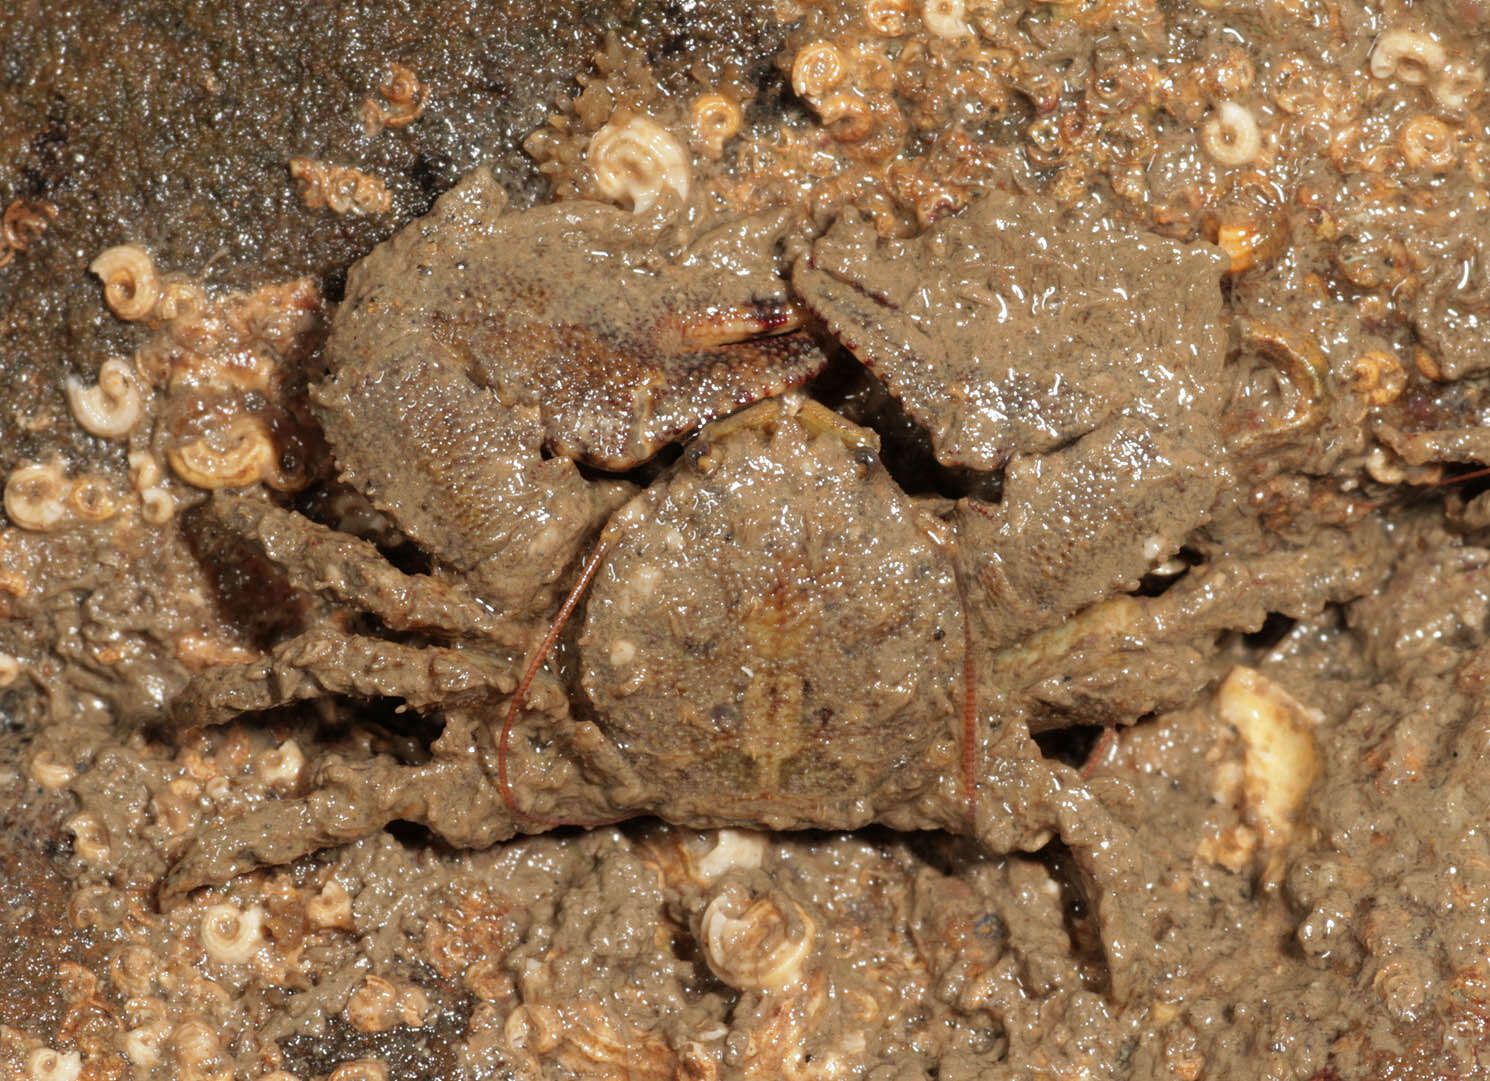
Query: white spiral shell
point(635, 160)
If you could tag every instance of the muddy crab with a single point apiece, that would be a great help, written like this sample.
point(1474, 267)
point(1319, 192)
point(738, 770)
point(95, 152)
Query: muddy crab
point(768, 628)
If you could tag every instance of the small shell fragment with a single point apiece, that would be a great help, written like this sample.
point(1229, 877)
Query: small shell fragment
point(1281, 761)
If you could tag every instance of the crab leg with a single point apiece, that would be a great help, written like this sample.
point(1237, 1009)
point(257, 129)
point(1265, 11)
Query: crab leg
point(351, 570)
point(325, 661)
point(355, 801)
point(1051, 798)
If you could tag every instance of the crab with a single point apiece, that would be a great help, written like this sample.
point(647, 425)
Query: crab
point(767, 629)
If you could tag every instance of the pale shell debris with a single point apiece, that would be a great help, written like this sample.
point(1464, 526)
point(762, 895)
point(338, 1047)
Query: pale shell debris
point(1281, 761)
point(90, 837)
point(635, 160)
point(157, 506)
point(45, 1064)
point(1232, 136)
point(362, 1069)
point(230, 935)
point(280, 768)
point(946, 18)
point(745, 849)
point(48, 772)
point(1408, 55)
point(130, 285)
point(759, 945)
point(247, 457)
point(111, 408)
point(36, 495)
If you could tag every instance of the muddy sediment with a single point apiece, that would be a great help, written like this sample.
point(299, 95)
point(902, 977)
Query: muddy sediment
point(1193, 785)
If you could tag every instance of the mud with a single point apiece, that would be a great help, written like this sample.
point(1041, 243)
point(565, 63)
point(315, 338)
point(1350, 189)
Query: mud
point(1176, 601)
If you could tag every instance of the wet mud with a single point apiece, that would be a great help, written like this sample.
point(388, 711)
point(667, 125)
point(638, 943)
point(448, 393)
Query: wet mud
point(1027, 457)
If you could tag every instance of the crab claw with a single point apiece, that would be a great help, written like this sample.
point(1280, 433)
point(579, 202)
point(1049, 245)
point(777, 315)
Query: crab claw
point(710, 333)
point(613, 333)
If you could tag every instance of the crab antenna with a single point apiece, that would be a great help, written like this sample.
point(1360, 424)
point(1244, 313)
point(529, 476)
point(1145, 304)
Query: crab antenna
point(1474, 475)
point(540, 656)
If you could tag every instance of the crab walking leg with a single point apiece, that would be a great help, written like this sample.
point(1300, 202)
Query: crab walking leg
point(323, 661)
point(1027, 798)
point(355, 800)
point(350, 570)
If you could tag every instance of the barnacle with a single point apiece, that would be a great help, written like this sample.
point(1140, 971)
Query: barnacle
point(1248, 239)
point(132, 971)
point(36, 495)
point(1403, 983)
point(886, 17)
point(1231, 137)
point(1281, 761)
point(871, 127)
point(1408, 55)
point(232, 936)
point(130, 286)
point(635, 160)
point(331, 908)
point(946, 18)
point(785, 1036)
point(583, 1038)
point(404, 100)
point(716, 119)
point(341, 188)
point(1229, 72)
point(44, 1064)
point(1378, 377)
point(199, 1053)
point(143, 1043)
point(93, 906)
point(92, 499)
point(378, 1005)
point(1456, 85)
point(817, 68)
point(174, 812)
point(247, 456)
point(1427, 143)
point(755, 942)
point(848, 116)
point(110, 409)
point(1295, 88)
point(90, 837)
